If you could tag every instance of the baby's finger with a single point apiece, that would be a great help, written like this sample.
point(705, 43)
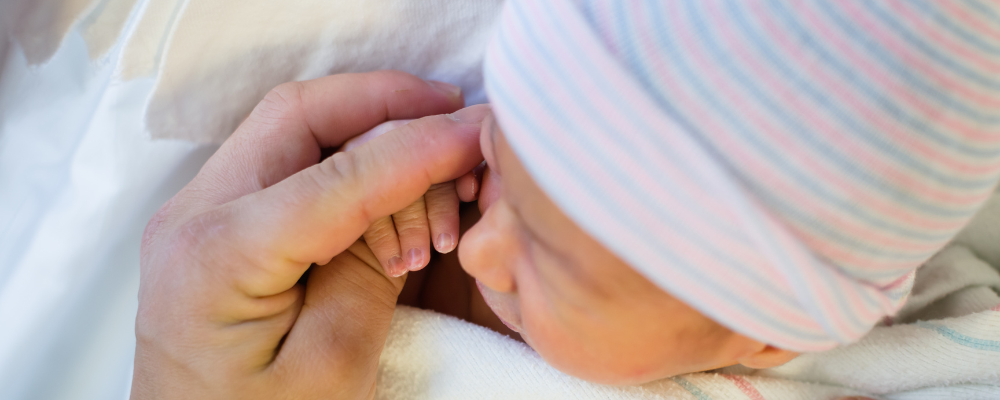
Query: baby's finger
point(414, 235)
point(442, 215)
point(382, 239)
point(467, 186)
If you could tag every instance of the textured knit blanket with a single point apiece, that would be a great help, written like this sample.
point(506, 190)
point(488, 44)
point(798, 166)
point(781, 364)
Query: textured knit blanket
point(944, 344)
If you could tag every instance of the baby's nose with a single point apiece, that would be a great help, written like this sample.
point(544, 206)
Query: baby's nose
point(490, 249)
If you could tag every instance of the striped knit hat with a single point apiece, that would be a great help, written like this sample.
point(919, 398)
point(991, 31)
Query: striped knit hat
point(783, 167)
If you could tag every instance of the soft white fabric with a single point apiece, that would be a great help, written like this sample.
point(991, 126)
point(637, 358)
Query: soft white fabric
point(224, 55)
point(433, 356)
point(84, 163)
point(945, 344)
point(78, 180)
point(946, 334)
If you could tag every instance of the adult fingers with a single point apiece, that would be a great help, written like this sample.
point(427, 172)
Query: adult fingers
point(414, 235)
point(381, 237)
point(442, 215)
point(318, 212)
point(335, 343)
point(286, 131)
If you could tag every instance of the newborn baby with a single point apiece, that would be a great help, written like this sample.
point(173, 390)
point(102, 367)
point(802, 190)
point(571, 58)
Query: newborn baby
point(680, 186)
point(576, 292)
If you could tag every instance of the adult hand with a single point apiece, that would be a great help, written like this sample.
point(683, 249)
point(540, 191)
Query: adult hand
point(223, 309)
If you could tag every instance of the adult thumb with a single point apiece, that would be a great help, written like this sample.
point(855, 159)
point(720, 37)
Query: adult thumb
point(320, 211)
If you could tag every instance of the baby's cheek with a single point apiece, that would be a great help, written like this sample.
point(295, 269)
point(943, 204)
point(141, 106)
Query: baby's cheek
point(564, 343)
point(566, 348)
point(591, 360)
point(593, 351)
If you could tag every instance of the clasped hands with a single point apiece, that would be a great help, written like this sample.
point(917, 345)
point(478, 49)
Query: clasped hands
point(224, 308)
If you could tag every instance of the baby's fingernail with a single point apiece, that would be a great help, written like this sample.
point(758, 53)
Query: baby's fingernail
point(445, 243)
point(396, 267)
point(448, 89)
point(414, 259)
point(471, 114)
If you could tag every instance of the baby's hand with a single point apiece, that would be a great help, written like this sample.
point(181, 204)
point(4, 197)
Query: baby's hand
point(401, 242)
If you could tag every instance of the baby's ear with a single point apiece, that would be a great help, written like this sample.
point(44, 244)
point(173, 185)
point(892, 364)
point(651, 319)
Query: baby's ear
point(767, 357)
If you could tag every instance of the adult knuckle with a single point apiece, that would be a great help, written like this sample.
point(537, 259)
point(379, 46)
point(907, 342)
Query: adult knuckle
point(149, 233)
point(201, 249)
point(282, 102)
point(339, 178)
point(157, 225)
point(192, 236)
point(339, 171)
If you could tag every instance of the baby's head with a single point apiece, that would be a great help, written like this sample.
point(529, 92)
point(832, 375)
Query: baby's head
point(581, 307)
point(666, 195)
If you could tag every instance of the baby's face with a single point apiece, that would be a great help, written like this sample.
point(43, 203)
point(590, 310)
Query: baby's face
point(581, 308)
